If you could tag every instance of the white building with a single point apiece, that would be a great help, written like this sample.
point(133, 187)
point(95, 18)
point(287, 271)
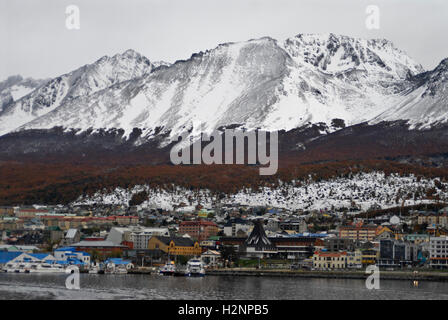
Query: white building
point(138, 235)
point(236, 227)
point(438, 252)
point(140, 238)
point(69, 253)
point(210, 257)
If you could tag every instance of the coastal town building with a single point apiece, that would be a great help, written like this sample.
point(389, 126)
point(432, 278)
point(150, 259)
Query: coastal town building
point(237, 227)
point(358, 232)
point(336, 244)
point(177, 246)
point(396, 254)
point(438, 252)
point(258, 245)
point(354, 259)
point(369, 257)
point(329, 260)
point(199, 230)
point(434, 219)
point(102, 248)
point(211, 257)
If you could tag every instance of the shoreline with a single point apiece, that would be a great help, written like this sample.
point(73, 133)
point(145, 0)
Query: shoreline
point(386, 275)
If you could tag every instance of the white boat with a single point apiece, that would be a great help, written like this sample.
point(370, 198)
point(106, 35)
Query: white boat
point(195, 268)
point(94, 268)
point(169, 269)
point(16, 268)
point(121, 269)
point(46, 268)
point(112, 268)
point(34, 267)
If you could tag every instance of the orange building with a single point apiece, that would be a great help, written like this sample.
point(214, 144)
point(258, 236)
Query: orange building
point(199, 230)
point(358, 232)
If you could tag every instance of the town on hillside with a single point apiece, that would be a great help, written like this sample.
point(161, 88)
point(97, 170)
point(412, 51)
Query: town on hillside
point(120, 239)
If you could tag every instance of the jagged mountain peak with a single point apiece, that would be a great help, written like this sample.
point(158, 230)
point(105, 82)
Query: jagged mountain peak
point(15, 87)
point(336, 54)
point(263, 82)
point(82, 82)
point(427, 104)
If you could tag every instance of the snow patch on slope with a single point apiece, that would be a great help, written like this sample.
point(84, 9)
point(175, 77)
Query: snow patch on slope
point(361, 191)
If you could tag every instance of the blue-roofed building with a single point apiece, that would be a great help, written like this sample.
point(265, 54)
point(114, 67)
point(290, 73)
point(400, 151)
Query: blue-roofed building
point(67, 253)
point(117, 261)
point(310, 235)
point(6, 256)
point(31, 257)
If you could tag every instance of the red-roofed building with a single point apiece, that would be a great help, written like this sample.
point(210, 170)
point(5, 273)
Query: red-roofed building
point(329, 260)
point(199, 230)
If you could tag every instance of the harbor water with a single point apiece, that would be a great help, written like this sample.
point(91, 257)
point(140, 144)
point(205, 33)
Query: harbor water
point(139, 286)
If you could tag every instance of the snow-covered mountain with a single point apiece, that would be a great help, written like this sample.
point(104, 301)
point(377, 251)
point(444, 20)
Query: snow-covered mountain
point(261, 83)
point(427, 104)
point(15, 87)
point(82, 82)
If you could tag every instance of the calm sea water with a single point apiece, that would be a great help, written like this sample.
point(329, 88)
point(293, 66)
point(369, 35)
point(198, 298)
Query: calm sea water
point(52, 286)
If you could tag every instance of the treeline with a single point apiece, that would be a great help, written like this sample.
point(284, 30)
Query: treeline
point(63, 183)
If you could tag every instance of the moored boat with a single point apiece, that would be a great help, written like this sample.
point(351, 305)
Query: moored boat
point(36, 267)
point(195, 268)
point(169, 269)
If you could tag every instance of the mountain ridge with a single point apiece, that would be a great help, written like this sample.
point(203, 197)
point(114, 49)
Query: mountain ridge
point(300, 91)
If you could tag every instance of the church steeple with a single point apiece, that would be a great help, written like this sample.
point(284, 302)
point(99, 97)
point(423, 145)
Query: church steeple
point(258, 239)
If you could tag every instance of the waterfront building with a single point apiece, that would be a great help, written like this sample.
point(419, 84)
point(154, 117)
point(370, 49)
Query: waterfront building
point(323, 260)
point(369, 257)
point(71, 255)
point(258, 245)
point(211, 257)
point(181, 246)
point(354, 259)
point(438, 252)
point(33, 257)
point(288, 247)
point(102, 248)
point(6, 256)
point(396, 254)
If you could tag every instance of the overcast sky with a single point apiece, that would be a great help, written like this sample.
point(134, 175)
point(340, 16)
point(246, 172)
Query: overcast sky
point(35, 41)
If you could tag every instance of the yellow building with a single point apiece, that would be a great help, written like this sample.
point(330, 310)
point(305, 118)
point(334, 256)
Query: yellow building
point(178, 246)
point(369, 256)
point(329, 260)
